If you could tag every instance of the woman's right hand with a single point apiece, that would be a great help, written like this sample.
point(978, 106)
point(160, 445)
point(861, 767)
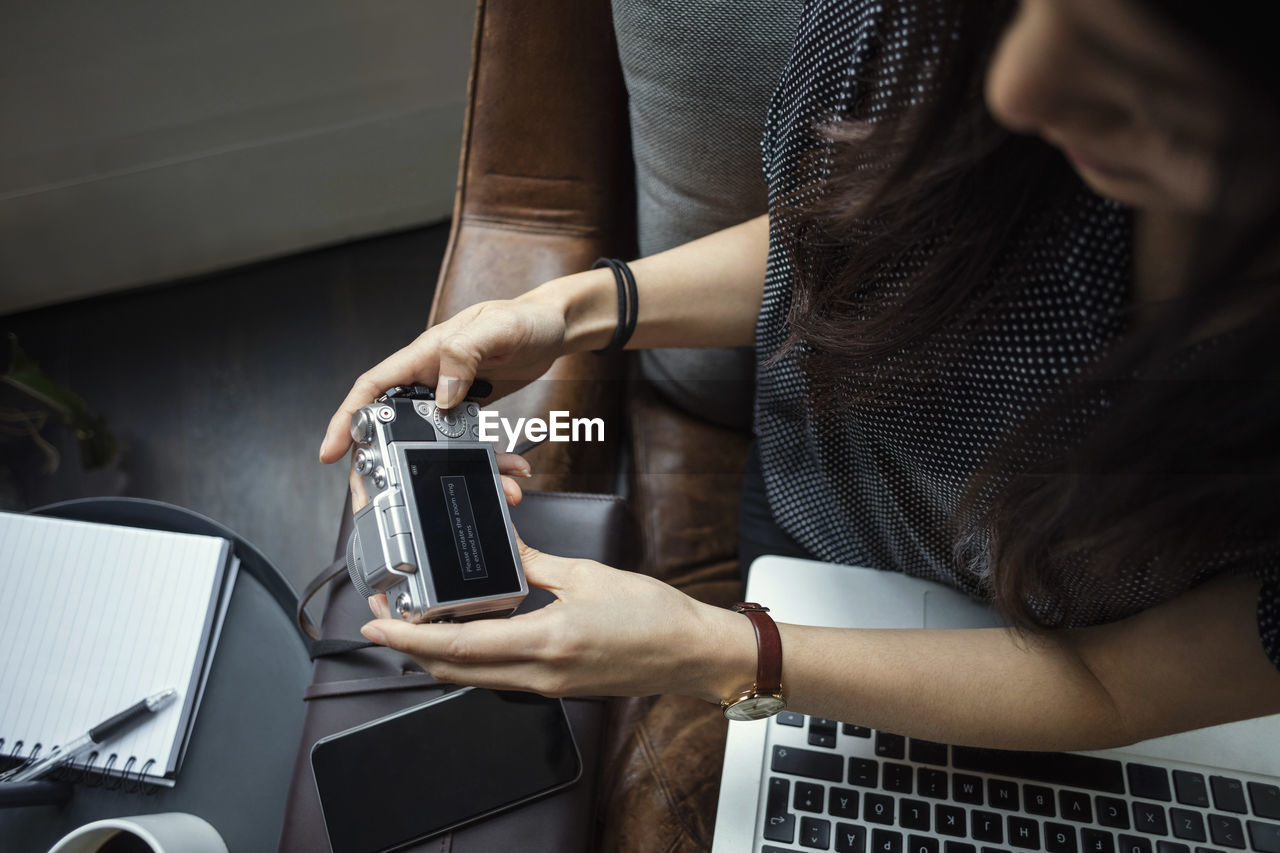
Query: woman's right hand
point(510, 342)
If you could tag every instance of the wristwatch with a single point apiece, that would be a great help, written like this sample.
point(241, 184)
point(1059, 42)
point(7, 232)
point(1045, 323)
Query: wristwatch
point(765, 698)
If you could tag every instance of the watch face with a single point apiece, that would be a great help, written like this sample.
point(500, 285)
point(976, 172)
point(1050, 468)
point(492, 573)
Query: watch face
point(755, 707)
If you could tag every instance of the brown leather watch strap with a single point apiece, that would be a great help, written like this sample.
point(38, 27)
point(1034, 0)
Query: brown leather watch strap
point(768, 647)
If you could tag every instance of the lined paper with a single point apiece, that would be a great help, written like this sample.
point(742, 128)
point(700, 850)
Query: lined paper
point(94, 617)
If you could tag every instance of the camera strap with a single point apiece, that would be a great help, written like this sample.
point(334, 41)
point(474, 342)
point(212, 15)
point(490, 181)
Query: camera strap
point(318, 646)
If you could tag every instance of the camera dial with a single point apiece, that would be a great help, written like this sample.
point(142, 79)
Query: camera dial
point(366, 461)
point(450, 423)
point(362, 427)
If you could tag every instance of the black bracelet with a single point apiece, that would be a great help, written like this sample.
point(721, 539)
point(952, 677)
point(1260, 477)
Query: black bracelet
point(628, 302)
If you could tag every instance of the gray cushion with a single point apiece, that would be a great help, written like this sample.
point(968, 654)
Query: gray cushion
point(699, 75)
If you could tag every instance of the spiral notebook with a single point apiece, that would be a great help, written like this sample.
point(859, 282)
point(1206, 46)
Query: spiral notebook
point(94, 617)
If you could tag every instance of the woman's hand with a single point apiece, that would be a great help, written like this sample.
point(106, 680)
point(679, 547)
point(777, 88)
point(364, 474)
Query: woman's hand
point(511, 342)
point(610, 632)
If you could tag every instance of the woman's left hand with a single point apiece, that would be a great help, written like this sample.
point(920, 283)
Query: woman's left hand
point(610, 632)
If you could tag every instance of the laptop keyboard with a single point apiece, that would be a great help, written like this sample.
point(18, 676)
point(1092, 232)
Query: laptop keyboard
point(836, 786)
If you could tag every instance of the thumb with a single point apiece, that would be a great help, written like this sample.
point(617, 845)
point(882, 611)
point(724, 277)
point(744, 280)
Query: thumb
point(385, 631)
point(543, 570)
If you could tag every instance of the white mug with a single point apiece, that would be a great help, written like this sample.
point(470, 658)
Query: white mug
point(169, 832)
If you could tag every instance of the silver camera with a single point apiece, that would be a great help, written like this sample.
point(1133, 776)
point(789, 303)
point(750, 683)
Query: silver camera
point(436, 534)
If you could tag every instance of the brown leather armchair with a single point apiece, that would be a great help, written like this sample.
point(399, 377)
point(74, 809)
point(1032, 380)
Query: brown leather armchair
point(545, 187)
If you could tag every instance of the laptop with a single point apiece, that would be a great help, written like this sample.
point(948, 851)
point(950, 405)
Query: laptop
point(798, 783)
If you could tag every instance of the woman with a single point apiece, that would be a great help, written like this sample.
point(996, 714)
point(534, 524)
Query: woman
point(951, 349)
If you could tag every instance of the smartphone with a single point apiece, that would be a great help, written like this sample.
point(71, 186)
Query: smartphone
point(428, 769)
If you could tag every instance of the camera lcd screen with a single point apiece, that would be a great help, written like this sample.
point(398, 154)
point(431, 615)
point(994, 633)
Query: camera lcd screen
point(442, 764)
point(465, 532)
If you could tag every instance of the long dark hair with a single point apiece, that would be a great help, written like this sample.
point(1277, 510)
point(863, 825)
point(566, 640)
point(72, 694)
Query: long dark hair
point(1176, 482)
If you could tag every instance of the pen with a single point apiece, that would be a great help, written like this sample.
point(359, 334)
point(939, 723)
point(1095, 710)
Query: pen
point(120, 723)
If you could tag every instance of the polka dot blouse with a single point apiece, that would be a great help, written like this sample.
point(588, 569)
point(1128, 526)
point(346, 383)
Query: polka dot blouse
point(877, 486)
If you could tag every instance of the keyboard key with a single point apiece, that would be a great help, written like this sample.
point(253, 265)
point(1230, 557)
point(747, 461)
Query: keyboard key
point(886, 841)
point(1024, 832)
point(806, 762)
point(921, 844)
point(790, 718)
point(1054, 768)
point(1039, 800)
point(1059, 837)
point(1096, 841)
point(1112, 812)
point(851, 838)
point(779, 794)
point(1002, 794)
point(1208, 850)
point(1265, 799)
point(822, 732)
point(1134, 844)
point(1228, 794)
point(950, 820)
point(987, 826)
point(890, 745)
point(1149, 818)
point(1075, 806)
point(966, 789)
point(1171, 847)
point(769, 848)
point(779, 824)
point(897, 778)
point(780, 828)
point(843, 802)
point(927, 752)
point(856, 731)
point(1149, 782)
point(808, 797)
point(913, 814)
point(1226, 831)
point(958, 847)
point(878, 808)
point(815, 832)
point(864, 772)
point(1265, 837)
point(1187, 824)
point(1190, 788)
point(931, 783)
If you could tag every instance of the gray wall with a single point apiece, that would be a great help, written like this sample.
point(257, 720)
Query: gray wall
point(146, 140)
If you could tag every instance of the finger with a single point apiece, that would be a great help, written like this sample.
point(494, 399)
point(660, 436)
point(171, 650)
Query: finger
point(547, 571)
point(514, 465)
point(461, 352)
point(416, 363)
point(511, 489)
point(489, 641)
point(378, 604)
